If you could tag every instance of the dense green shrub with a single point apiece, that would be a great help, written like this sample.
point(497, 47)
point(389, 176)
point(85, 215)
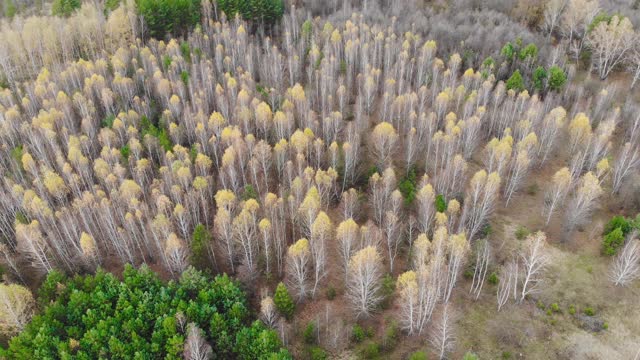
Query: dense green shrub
point(493, 278)
point(163, 17)
point(370, 350)
point(522, 232)
point(99, 317)
point(284, 302)
point(470, 356)
point(264, 11)
point(317, 353)
point(418, 355)
point(331, 293)
point(589, 311)
point(357, 333)
point(391, 334)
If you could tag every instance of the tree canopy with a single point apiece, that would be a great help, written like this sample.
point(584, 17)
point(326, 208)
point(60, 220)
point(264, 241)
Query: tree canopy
point(141, 317)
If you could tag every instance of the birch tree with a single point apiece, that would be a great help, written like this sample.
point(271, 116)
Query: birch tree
point(17, 307)
point(363, 281)
point(442, 335)
point(535, 261)
point(298, 257)
point(583, 202)
point(626, 265)
point(195, 345)
point(555, 195)
point(610, 42)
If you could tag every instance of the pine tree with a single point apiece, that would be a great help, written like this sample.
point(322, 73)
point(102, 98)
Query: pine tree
point(284, 302)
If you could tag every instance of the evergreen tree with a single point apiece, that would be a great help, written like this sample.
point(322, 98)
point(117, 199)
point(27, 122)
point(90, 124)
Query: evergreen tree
point(515, 82)
point(284, 302)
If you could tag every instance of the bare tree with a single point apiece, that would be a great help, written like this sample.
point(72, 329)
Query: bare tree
point(442, 335)
point(555, 195)
point(552, 12)
point(535, 261)
point(583, 202)
point(627, 161)
point(626, 265)
point(508, 283)
point(483, 259)
point(17, 306)
point(610, 41)
point(195, 345)
point(268, 311)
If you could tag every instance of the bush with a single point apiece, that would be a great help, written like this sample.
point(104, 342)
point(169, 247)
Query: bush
point(572, 309)
point(418, 355)
point(138, 318)
point(309, 333)
point(589, 311)
point(493, 279)
point(64, 7)
point(371, 350)
point(555, 307)
point(390, 338)
point(470, 356)
point(522, 232)
point(163, 17)
point(331, 293)
point(283, 301)
point(357, 333)
point(317, 353)
point(263, 11)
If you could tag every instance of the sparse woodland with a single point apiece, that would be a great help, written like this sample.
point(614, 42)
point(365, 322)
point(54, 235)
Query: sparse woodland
point(380, 179)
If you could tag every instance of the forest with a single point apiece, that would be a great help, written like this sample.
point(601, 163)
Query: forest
point(320, 179)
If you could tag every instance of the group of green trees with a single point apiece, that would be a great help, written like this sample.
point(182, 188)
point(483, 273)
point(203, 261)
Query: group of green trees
point(164, 17)
point(142, 317)
point(178, 17)
point(262, 11)
point(616, 231)
point(527, 74)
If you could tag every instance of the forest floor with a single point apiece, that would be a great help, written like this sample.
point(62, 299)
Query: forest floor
point(576, 281)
